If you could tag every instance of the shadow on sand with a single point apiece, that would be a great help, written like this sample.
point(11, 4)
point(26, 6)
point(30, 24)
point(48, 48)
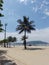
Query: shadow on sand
point(3, 52)
point(35, 48)
point(4, 60)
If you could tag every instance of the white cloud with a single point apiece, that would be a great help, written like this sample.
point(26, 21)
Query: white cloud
point(41, 6)
point(44, 7)
point(46, 12)
point(26, 1)
point(45, 2)
point(1, 36)
point(23, 1)
point(33, 1)
point(42, 35)
point(35, 9)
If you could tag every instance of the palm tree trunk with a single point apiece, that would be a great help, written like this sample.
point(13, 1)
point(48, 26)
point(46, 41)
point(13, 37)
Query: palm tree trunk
point(7, 44)
point(25, 39)
point(4, 44)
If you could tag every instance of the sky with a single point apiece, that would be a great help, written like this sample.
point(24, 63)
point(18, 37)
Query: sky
point(36, 10)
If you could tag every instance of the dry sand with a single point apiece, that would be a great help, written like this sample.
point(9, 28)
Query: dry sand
point(34, 55)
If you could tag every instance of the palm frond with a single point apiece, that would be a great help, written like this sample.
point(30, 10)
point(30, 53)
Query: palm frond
point(1, 29)
point(24, 37)
point(1, 24)
point(28, 30)
point(21, 31)
point(1, 8)
point(1, 5)
point(1, 1)
point(18, 28)
point(19, 21)
point(31, 22)
point(25, 19)
point(1, 15)
point(32, 28)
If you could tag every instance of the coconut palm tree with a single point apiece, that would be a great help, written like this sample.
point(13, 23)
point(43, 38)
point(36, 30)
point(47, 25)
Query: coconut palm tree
point(25, 26)
point(14, 39)
point(5, 34)
point(5, 41)
point(1, 42)
point(1, 15)
point(1, 29)
point(9, 40)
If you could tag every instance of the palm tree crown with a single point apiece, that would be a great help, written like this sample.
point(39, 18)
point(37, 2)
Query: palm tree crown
point(25, 25)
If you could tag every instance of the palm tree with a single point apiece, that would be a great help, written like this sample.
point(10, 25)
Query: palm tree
point(1, 30)
point(5, 41)
point(1, 15)
point(14, 39)
point(25, 26)
point(5, 34)
point(9, 40)
point(1, 42)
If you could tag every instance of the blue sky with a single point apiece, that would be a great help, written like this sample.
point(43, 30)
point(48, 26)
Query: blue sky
point(36, 10)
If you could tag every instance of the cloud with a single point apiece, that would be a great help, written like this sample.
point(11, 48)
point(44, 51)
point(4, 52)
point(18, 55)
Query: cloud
point(42, 35)
point(35, 9)
point(45, 2)
point(33, 1)
point(46, 12)
point(1, 36)
point(41, 6)
point(26, 1)
point(23, 1)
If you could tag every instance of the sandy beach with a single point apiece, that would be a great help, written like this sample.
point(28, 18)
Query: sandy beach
point(34, 55)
